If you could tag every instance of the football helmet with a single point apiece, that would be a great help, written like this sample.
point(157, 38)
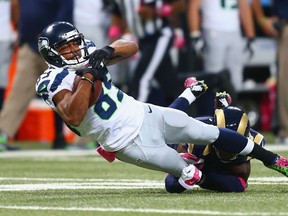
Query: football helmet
point(57, 34)
point(235, 119)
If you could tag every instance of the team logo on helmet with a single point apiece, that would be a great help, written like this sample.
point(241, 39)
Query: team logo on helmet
point(43, 42)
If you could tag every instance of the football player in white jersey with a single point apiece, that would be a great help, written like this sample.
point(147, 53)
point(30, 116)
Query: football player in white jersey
point(134, 132)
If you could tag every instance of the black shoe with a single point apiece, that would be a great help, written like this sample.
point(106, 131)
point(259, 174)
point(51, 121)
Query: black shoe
point(59, 143)
point(12, 148)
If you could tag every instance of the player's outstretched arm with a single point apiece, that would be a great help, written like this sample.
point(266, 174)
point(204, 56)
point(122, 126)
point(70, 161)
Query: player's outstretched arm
point(123, 50)
point(117, 51)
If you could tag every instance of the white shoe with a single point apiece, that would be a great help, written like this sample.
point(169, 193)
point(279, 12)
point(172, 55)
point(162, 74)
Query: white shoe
point(189, 177)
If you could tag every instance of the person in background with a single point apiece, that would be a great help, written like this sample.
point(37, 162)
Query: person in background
point(7, 11)
point(216, 30)
point(148, 22)
point(277, 26)
point(33, 16)
point(89, 18)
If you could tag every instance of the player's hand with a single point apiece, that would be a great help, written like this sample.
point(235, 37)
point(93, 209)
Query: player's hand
point(100, 56)
point(222, 99)
point(250, 46)
point(197, 44)
point(98, 73)
point(198, 88)
point(193, 159)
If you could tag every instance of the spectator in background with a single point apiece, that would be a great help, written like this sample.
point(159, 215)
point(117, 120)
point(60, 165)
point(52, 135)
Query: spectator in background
point(220, 28)
point(149, 22)
point(6, 49)
point(32, 18)
point(277, 26)
point(6, 45)
point(88, 17)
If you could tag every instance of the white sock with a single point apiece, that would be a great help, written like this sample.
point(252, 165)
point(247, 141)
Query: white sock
point(188, 95)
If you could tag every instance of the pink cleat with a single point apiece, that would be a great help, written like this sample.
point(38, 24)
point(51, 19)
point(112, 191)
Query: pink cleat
point(197, 87)
point(189, 82)
point(280, 165)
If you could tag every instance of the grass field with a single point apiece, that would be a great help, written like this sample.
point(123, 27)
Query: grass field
point(45, 182)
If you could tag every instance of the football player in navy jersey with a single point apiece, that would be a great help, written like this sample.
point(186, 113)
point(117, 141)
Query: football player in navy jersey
point(222, 171)
point(132, 131)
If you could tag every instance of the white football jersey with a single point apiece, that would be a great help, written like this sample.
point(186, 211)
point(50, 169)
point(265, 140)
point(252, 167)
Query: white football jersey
point(113, 121)
point(221, 15)
point(5, 29)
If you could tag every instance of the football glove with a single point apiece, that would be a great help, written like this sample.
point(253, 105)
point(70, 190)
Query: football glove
point(250, 46)
point(100, 56)
point(98, 74)
point(197, 44)
point(198, 88)
point(222, 99)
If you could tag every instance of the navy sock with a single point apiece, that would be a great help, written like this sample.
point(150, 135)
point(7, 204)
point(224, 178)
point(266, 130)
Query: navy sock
point(180, 104)
point(230, 141)
point(267, 157)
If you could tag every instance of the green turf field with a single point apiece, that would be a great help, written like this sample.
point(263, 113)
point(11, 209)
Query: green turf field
point(45, 182)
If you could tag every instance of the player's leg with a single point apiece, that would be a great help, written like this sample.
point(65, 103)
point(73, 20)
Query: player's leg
point(223, 182)
point(214, 55)
point(179, 128)
point(29, 65)
point(149, 150)
point(234, 59)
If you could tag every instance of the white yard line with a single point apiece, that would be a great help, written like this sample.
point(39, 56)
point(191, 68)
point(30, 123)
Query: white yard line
point(162, 211)
point(70, 183)
point(63, 153)
point(80, 184)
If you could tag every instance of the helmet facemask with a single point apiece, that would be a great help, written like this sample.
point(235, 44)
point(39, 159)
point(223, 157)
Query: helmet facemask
point(77, 62)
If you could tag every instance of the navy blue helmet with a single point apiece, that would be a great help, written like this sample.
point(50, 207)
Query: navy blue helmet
point(232, 118)
point(57, 34)
point(235, 119)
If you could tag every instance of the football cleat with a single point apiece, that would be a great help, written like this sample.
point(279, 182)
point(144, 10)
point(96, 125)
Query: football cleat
point(222, 100)
point(3, 142)
point(4, 146)
point(189, 82)
point(197, 87)
point(190, 176)
point(280, 165)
